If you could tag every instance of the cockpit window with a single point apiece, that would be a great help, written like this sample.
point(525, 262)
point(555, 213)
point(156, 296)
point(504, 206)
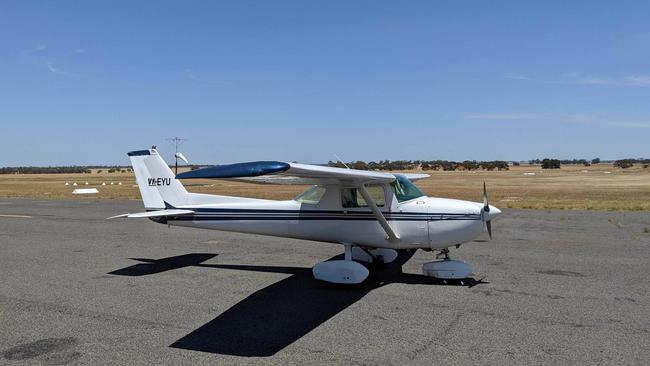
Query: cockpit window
point(312, 195)
point(404, 189)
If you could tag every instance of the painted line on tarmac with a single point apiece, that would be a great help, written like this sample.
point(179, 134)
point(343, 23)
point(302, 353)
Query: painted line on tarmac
point(17, 216)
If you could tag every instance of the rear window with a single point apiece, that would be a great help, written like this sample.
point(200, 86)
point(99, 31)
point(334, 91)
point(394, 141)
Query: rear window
point(312, 195)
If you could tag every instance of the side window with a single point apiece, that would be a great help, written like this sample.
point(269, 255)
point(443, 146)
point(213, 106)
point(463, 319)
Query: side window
point(351, 197)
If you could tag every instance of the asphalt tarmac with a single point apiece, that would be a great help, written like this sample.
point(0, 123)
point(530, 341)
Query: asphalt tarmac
point(552, 287)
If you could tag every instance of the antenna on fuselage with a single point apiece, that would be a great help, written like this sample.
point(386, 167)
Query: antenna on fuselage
point(341, 161)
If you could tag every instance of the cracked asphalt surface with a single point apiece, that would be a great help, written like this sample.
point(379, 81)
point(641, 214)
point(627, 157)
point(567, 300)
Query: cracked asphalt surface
point(552, 287)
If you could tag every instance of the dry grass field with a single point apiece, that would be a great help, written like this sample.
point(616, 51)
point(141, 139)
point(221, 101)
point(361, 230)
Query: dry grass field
point(599, 187)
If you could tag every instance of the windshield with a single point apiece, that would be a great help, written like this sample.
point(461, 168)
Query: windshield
point(312, 195)
point(404, 189)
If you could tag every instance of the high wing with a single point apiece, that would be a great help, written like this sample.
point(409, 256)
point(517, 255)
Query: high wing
point(275, 172)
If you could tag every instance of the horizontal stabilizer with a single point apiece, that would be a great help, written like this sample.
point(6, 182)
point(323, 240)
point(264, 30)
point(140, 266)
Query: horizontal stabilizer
point(159, 213)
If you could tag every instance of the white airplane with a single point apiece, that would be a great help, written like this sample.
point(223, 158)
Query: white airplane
point(372, 214)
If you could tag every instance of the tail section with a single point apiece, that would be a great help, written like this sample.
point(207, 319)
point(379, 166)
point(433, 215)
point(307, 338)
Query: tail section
point(159, 187)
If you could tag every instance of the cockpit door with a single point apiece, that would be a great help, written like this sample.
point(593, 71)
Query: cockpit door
point(418, 229)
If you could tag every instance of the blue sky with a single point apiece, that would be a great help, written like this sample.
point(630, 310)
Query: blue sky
point(83, 82)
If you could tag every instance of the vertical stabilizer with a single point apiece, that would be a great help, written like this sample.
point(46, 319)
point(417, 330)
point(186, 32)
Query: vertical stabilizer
point(158, 185)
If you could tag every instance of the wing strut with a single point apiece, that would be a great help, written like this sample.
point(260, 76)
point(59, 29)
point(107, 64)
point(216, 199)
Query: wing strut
point(392, 236)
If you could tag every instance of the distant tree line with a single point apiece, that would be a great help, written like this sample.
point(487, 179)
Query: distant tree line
point(556, 163)
point(107, 167)
point(63, 169)
point(628, 163)
point(551, 163)
point(469, 165)
point(444, 165)
point(44, 170)
point(115, 169)
point(111, 168)
point(73, 169)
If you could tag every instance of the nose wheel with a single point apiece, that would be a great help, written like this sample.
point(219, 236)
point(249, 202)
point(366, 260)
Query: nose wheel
point(447, 268)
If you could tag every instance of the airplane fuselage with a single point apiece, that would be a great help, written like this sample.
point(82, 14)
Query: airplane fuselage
point(425, 222)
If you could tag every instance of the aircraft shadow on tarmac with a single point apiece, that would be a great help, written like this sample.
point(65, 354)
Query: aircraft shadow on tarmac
point(274, 317)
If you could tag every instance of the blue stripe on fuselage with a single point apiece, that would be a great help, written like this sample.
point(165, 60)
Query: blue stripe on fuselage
point(206, 214)
point(280, 218)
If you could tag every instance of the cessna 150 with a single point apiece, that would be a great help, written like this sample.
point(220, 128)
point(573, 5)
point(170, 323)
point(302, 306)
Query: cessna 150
point(372, 214)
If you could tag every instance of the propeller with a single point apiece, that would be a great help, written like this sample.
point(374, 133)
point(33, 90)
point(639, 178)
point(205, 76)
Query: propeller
point(486, 209)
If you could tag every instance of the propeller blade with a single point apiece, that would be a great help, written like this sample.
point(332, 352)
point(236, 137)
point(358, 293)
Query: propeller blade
point(489, 228)
point(486, 205)
point(486, 208)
